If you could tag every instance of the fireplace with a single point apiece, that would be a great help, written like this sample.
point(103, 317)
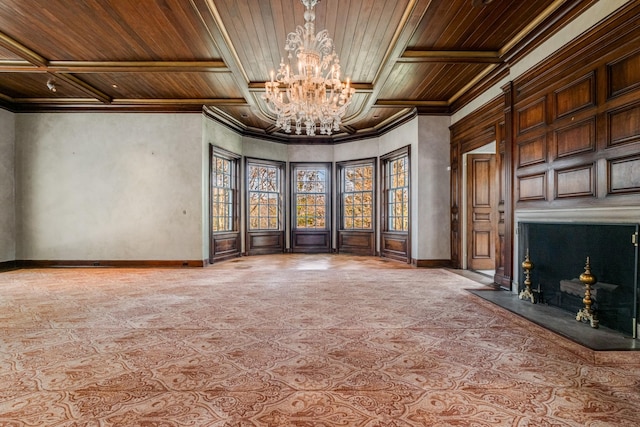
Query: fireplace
point(559, 251)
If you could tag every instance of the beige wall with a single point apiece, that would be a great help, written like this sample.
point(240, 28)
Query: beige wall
point(433, 217)
point(109, 186)
point(7, 187)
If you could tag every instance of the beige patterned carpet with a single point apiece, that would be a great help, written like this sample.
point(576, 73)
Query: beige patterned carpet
point(290, 341)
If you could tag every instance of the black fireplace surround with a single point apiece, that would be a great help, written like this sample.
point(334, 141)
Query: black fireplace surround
point(559, 252)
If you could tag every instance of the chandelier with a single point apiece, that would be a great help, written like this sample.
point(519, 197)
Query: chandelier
point(312, 94)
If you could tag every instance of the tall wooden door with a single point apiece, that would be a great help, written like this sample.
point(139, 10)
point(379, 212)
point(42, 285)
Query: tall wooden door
point(481, 211)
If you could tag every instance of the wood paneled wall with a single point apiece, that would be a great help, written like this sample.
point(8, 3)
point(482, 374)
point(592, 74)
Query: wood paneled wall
point(567, 133)
point(576, 139)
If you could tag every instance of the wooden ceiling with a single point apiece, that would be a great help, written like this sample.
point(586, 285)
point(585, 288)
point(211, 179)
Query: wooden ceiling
point(404, 56)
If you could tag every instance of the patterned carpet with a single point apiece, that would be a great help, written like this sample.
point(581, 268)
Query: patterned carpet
point(290, 341)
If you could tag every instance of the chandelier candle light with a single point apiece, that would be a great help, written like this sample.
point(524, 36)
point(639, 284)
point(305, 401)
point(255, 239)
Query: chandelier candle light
point(314, 96)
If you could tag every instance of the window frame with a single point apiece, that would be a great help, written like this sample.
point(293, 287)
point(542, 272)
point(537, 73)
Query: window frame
point(341, 179)
point(234, 160)
point(328, 193)
point(280, 168)
point(386, 162)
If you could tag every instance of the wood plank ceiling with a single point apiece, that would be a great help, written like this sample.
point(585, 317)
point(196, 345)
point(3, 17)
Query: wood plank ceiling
point(404, 56)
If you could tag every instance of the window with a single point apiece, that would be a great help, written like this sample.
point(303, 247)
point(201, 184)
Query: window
point(357, 196)
point(264, 189)
point(223, 193)
point(396, 170)
point(311, 197)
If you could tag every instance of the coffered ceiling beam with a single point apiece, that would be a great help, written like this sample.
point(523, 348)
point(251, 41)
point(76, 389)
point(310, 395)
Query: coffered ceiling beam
point(450, 56)
point(84, 87)
point(409, 103)
point(359, 87)
point(136, 66)
point(22, 51)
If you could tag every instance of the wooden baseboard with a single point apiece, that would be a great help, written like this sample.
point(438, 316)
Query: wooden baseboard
point(110, 263)
point(8, 265)
point(431, 263)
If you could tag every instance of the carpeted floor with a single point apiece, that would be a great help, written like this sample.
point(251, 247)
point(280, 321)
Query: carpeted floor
point(291, 340)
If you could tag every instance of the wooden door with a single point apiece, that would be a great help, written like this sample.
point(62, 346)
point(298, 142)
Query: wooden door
point(481, 211)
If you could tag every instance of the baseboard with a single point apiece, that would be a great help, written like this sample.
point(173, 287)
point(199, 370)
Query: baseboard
point(431, 263)
point(8, 265)
point(110, 263)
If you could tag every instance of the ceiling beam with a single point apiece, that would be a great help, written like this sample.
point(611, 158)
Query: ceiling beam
point(450, 56)
point(359, 87)
point(409, 103)
point(84, 87)
point(18, 65)
point(136, 66)
point(80, 67)
point(166, 101)
point(22, 51)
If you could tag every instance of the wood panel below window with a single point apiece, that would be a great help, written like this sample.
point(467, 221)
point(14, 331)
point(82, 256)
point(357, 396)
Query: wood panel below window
point(356, 242)
point(395, 246)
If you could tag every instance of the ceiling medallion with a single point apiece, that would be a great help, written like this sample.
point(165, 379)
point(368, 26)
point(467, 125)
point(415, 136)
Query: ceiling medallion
point(311, 95)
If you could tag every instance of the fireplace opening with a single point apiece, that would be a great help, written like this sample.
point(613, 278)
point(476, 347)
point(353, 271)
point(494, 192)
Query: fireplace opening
point(559, 252)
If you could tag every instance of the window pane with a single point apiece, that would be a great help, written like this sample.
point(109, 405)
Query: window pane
point(357, 189)
point(222, 194)
point(398, 193)
point(310, 198)
point(264, 197)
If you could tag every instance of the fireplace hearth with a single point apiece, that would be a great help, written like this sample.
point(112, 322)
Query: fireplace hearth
point(558, 252)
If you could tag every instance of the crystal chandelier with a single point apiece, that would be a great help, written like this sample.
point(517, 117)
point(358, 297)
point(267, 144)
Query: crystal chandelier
point(314, 95)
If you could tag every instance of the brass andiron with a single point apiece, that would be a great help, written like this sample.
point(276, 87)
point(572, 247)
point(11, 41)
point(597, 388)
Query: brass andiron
point(527, 265)
point(587, 314)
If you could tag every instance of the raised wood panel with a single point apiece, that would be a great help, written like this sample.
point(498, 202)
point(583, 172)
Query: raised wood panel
point(532, 152)
point(575, 182)
point(482, 244)
point(259, 243)
point(225, 246)
point(481, 186)
point(532, 187)
point(576, 138)
point(531, 116)
point(624, 126)
point(624, 175)
point(395, 246)
point(624, 75)
point(577, 95)
point(481, 216)
point(355, 242)
point(311, 241)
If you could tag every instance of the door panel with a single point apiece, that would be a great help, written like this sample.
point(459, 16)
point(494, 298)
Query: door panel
point(481, 212)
